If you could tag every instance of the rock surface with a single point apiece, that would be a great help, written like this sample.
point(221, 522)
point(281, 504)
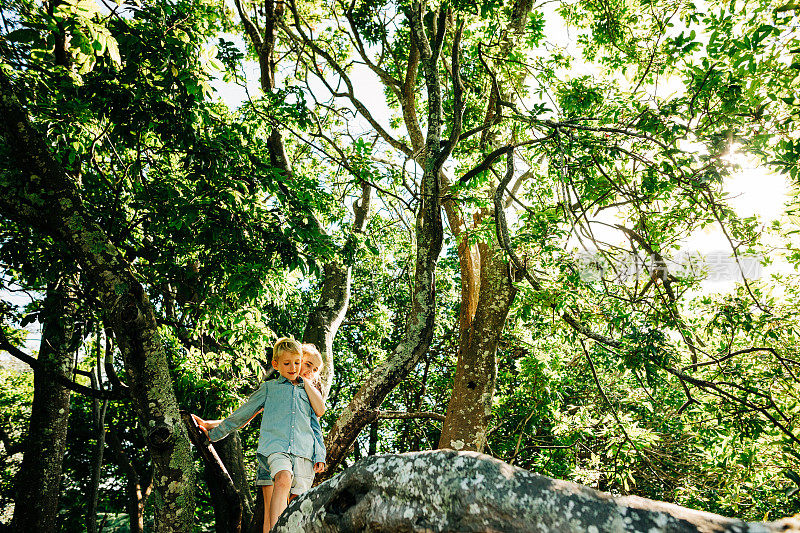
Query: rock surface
point(449, 491)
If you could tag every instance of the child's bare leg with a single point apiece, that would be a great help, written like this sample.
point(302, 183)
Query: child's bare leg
point(282, 482)
point(266, 491)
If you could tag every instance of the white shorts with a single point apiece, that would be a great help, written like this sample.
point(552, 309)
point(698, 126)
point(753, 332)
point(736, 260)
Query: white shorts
point(301, 469)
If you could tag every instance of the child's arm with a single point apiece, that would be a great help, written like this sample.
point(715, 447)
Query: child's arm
point(319, 445)
point(219, 429)
point(314, 397)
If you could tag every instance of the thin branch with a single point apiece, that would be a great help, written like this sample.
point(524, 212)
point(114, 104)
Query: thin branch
point(615, 414)
point(522, 434)
point(493, 156)
point(708, 385)
point(729, 355)
point(400, 415)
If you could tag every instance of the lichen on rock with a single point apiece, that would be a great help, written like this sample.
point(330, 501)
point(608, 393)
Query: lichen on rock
point(451, 491)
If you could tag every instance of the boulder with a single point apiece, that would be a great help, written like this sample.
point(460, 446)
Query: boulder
point(450, 491)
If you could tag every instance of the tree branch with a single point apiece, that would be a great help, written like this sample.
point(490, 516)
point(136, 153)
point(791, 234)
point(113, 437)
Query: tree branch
point(458, 99)
point(114, 394)
point(493, 156)
point(400, 415)
point(504, 240)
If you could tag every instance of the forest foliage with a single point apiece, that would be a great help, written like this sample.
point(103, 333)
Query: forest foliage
point(607, 130)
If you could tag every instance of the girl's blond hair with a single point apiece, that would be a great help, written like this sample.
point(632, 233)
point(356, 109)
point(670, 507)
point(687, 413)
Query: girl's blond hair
point(310, 350)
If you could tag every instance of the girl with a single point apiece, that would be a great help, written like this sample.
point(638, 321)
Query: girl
point(309, 371)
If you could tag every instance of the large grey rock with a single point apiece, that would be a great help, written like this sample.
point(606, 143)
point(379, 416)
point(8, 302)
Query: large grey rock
point(449, 491)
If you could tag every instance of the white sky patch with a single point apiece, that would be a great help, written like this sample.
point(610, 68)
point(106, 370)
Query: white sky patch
point(33, 339)
point(234, 92)
point(752, 191)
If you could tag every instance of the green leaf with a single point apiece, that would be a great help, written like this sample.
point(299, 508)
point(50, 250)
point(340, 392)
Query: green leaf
point(87, 7)
point(23, 35)
point(113, 51)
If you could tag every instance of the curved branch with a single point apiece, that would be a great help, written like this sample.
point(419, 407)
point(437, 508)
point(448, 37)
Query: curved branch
point(249, 26)
point(303, 39)
point(408, 101)
point(114, 394)
point(458, 100)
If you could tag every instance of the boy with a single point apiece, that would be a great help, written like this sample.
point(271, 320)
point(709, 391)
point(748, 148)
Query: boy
point(290, 446)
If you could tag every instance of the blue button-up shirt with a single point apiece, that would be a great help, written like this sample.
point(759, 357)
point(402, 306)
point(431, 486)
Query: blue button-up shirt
point(288, 424)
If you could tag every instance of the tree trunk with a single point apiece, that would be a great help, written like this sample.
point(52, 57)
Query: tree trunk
point(334, 299)
point(39, 478)
point(41, 194)
point(416, 339)
point(420, 323)
point(470, 407)
point(486, 297)
point(326, 317)
point(469, 262)
point(448, 491)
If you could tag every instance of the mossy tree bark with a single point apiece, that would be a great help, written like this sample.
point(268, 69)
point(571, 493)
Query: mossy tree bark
point(470, 407)
point(39, 478)
point(41, 194)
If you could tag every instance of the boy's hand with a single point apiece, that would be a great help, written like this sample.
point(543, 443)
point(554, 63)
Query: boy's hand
point(319, 468)
point(201, 424)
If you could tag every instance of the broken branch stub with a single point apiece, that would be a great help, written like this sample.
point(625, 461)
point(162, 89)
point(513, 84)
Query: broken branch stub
point(449, 491)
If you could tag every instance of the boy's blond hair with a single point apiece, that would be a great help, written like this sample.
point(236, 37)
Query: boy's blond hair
point(285, 345)
point(311, 351)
